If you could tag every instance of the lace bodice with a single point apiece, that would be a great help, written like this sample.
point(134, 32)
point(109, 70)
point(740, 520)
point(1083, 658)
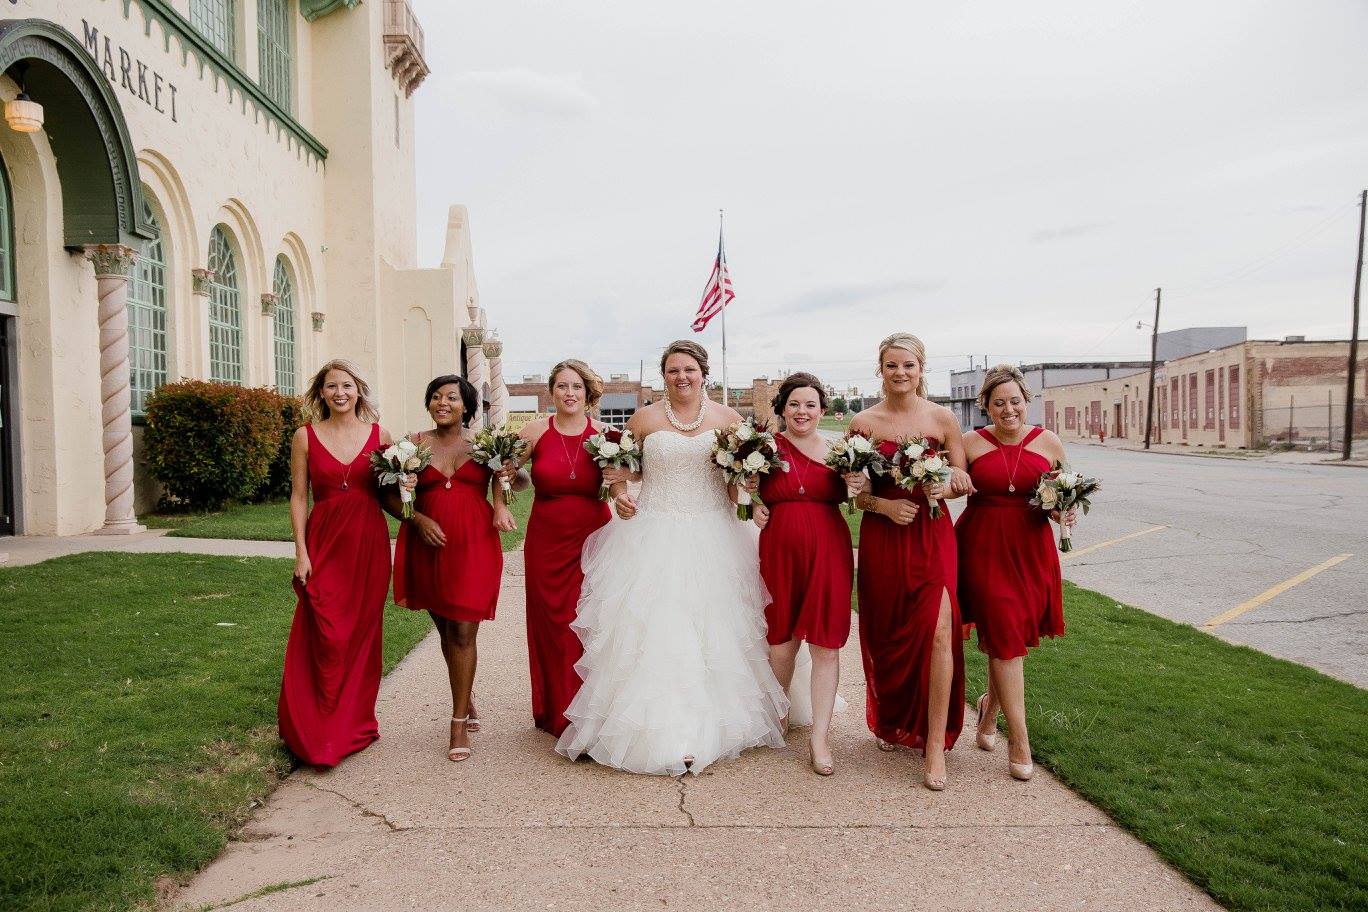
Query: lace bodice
point(678, 475)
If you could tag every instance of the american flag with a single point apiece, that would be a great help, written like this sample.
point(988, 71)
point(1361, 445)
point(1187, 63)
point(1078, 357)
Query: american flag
point(718, 293)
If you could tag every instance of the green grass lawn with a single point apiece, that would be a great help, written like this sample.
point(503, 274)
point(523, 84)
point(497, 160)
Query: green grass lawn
point(830, 423)
point(271, 522)
point(1247, 773)
point(135, 729)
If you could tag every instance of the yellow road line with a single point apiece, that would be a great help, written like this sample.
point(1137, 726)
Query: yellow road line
point(1277, 590)
point(1107, 544)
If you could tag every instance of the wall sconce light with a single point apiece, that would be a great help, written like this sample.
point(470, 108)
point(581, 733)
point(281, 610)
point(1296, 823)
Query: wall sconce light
point(23, 114)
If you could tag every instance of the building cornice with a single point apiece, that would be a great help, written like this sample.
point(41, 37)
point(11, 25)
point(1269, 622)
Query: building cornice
point(317, 9)
point(192, 42)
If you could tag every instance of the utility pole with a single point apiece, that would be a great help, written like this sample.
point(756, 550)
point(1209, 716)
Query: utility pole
point(1353, 336)
point(1154, 358)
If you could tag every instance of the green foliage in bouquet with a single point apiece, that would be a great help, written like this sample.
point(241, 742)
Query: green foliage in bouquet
point(209, 443)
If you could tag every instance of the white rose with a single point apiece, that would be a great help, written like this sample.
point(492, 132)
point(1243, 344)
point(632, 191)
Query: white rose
point(723, 458)
point(391, 452)
point(627, 440)
point(407, 447)
point(754, 463)
point(411, 464)
point(918, 470)
point(934, 464)
point(914, 450)
point(608, 449)
point(1067, 480)
point(1048, 498)
point(744, 431)
point(860, 444)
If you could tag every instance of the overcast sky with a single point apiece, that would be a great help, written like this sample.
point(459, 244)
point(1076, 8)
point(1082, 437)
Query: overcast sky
point(1002, 178)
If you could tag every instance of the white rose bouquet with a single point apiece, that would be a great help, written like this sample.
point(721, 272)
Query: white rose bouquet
point(855, 452)
point(615, 448)
point(403, 457)
point(745, 450)
point(1062, 489)
point(917, 462)
point(497, 447)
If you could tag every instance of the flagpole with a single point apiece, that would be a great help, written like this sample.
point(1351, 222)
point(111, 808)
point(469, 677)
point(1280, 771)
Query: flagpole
point(722, 288)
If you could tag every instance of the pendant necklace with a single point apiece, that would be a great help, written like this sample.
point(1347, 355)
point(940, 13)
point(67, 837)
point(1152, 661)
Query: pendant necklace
point(1011, 476)
point(692, 425)
point(573, 463)
point(800, 471)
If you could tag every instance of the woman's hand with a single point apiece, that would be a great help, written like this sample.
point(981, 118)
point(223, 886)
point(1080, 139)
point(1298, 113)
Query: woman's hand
point(760, 516)
point(303, 568)
point(960, 482)
point(856, 483)
point(625, 504)
point(616, 475)
point(429, 529)
point(751, 484)
point(508, 473)
point(1068, 518)
point(901, 512)
point(503, 519)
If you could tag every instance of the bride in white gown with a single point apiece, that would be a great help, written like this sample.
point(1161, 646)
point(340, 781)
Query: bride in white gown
point(671, 614)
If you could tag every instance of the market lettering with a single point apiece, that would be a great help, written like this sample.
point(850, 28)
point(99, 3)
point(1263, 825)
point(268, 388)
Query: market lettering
point(132, 74)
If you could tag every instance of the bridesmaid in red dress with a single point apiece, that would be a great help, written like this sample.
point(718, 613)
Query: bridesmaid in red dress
point(1014, 592)
point(565, 511)
point(914, 666)
point(805, 556)
point(448, 560)
point(342, 567)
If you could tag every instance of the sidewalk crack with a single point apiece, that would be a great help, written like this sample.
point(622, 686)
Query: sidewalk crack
point(683, 789)
point(394, 827)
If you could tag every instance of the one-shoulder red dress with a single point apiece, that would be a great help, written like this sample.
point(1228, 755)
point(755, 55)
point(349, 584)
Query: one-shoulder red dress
point(805, 553)
point(903, 572)
point(332, 660)
point(460, 580)
point(565, 511)
point(1013, 593)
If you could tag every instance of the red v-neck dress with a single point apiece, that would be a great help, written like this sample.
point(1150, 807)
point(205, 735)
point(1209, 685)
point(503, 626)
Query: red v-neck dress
point(332, 659)
point(566, 510)
point(805, 553)
point(1009, 581)
point(460, 580)
point(903, 572)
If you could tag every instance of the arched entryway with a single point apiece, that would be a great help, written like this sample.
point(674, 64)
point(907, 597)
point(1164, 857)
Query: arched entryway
point(74, 185)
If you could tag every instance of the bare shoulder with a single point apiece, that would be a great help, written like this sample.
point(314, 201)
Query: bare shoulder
point(974, 444)
point(1049, 444)
point(646, 419)
point(532, 431)
point(385, 438)
point(868, 420)
point(597, 425)
point(725, 413)
point(942, 416)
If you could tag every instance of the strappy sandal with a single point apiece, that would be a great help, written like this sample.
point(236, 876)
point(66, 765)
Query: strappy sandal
point(457, 754)
point(474, 724)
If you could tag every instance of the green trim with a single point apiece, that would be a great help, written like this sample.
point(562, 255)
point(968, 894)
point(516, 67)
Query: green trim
point(317, 9)
point(207, 54)
point(102, 200)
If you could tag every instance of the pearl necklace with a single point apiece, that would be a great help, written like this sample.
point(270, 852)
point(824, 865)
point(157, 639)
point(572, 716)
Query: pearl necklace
point(692, 425)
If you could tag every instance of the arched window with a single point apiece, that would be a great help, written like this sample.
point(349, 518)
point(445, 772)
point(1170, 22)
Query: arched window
point(147, 320)
point(273, 50)
point(284, 328)
point(6, 238)
point(225, 311)
point(216, 21)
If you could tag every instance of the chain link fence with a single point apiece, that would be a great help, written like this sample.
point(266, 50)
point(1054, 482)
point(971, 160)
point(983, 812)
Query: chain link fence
point(1310, 425)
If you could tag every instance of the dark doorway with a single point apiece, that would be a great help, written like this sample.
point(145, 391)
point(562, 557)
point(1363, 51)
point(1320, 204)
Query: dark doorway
point(7, 441)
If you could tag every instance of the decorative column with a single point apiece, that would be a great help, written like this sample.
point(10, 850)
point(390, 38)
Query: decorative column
point(476, 368)
point(113, 267)
point(498, 393)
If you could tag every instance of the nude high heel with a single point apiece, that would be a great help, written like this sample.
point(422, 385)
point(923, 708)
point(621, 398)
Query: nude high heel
point(457, 754)
point(985, 742)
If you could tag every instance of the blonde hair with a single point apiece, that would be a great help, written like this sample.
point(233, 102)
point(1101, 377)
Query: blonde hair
point(910, 343)
point(686, 347)
point(997, 375)
point(593, 383)
point(366, 408)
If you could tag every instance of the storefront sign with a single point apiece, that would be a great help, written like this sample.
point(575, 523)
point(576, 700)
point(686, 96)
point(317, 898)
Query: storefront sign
point(131, 73)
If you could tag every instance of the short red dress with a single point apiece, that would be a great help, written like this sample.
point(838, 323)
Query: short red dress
point(805, 552)
point(460, 580)
point(903, 570)
point(566, 510)
point(326, 708)
point(1014, 592)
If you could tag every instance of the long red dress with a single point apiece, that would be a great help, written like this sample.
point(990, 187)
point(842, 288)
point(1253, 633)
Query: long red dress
point(903, 571)
point(805, 552)
point(460, 580)
point(566, 510)
point(332, 660)
point(1014, 593)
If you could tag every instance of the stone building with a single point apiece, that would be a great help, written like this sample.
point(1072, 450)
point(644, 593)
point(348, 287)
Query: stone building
point(218, 189)
point(965, 385)
point(622, 396)
point(1243, 395)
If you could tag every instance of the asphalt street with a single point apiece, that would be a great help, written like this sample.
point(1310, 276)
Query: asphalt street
point(1232, 533)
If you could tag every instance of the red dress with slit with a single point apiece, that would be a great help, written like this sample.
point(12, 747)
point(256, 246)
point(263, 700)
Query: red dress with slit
point(903, 571)
point(1010, 587)
point(332, 659)
point(566, 509)
point(805, 552)
point(460, 580)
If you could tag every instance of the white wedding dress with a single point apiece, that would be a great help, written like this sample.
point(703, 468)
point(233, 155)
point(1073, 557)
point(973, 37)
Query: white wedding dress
point(671, 615)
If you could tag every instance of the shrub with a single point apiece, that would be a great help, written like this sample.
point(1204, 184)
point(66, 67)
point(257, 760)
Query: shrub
point(209, 443)
point(292, 415)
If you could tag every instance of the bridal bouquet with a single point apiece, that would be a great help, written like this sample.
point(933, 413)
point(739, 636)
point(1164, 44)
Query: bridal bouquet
point(744, 450)
point(399, 459)
point(1062, 489)
point(616, 449)
point(917, 462)
point(497, 448)
point(855, 452)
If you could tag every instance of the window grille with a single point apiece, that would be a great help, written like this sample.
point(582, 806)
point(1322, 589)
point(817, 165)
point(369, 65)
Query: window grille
point(225, 312)
point(147, 321)
point(284, 322)
point(214, 19)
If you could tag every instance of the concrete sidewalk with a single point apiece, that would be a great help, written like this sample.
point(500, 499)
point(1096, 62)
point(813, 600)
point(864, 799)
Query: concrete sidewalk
point(33, 549)
point(399, 827)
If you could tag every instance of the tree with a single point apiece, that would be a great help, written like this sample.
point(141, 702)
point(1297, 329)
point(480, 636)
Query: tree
point(838, 404)
point(855, 406)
